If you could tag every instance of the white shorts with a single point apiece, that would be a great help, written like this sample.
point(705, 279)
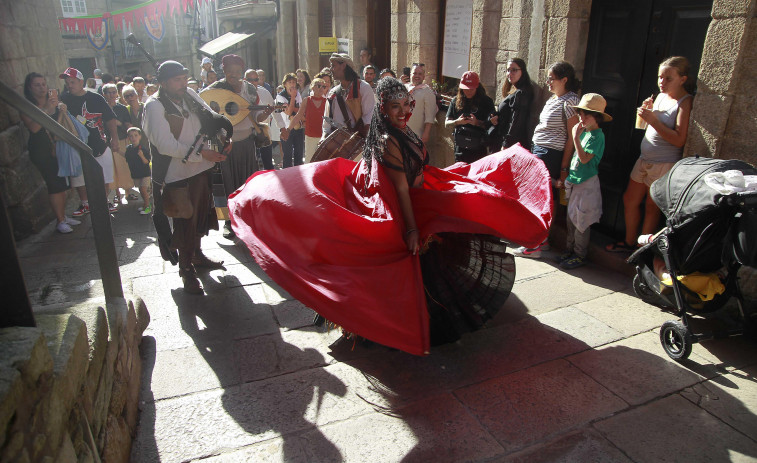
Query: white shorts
point(77, 181)
point(106, 162)
point(311, 143)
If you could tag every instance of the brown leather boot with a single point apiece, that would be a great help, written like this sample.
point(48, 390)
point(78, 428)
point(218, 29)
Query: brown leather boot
point(200, 260)
point(191, 283)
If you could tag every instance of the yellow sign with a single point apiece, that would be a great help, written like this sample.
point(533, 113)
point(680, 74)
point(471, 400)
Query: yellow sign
point(327, 45)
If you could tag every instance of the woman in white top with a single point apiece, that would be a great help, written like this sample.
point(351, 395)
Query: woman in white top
point(292, 144)
point(662, 146)
point(552, 143)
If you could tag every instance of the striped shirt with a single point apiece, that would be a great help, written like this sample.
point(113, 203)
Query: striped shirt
point(552, 132)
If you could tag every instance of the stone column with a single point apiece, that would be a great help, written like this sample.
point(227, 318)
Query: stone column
point(285, 34)
point(724, 116)
point(485, 41)
point(307, 15)
point(567, 32)
point(415, 35)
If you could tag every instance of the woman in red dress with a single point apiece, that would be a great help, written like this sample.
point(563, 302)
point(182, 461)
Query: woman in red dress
point(363, 244)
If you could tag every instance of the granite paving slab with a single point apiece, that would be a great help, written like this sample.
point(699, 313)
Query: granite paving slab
point(674, 429)
point(637, 369)
point(527, 406)
point(585, 445)
point(717, 397)
point(437, 429)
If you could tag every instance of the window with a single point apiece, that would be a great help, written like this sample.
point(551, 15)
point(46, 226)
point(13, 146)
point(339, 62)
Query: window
point(72, 8)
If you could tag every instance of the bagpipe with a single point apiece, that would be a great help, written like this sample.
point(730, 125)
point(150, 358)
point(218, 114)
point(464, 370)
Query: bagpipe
point(214, 127)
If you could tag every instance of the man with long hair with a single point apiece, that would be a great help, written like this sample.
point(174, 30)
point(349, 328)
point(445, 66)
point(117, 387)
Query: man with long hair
point(353, 94)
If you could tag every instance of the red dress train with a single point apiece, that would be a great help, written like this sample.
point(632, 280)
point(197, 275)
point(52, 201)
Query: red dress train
point(336, 243)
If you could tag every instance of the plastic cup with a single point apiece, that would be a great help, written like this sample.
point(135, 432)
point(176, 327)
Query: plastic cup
point(641, 124)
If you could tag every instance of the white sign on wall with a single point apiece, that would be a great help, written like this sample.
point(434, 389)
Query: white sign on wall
point(458, 22)
point(343, 45)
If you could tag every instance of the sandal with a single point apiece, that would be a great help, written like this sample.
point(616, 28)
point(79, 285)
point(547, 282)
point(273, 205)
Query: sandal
point(620, 246)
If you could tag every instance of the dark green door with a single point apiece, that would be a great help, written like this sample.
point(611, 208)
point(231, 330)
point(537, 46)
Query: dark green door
point(627, 42)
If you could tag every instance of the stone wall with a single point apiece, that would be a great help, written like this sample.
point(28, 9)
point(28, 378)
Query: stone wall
point(29, 41)
point(415, 35)
point(69, 387)
point(724, 116)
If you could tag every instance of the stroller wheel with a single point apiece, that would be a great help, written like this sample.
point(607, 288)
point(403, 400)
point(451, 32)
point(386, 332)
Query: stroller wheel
point(676, 340)
point(643, 292)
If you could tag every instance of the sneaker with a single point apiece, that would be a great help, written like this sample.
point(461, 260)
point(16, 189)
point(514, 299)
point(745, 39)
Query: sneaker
point(83, 210)
point(531, 253)
point(228, 233)
point(63, 227)
point(573, 262)
point(565, 256)
point(112, 207)
point(71, 221)
point(146, 211)
point(132, 197)
point(544, 246)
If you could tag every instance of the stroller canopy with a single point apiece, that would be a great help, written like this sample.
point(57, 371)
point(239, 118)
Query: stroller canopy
point(682, 193)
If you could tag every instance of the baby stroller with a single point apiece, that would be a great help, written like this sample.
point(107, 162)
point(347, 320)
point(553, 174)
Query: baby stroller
point(708, 230)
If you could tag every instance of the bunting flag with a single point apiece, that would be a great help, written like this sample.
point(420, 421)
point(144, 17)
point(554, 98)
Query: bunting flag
point(99, 37)
point(155, 27)
point(126, 17)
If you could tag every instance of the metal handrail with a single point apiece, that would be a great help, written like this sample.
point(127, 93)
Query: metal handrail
point(95, 184)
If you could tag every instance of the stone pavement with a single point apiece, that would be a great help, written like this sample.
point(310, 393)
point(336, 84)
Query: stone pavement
point(571, 369)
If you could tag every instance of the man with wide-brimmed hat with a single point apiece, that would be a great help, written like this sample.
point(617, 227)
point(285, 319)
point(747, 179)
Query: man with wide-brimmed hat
point(172, 122)
point(350, 103)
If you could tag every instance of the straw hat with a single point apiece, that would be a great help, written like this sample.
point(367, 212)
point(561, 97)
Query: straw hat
point(594, 102)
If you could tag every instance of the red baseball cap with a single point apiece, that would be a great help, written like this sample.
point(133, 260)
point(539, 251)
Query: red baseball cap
point(72, 72)
point(469, 81)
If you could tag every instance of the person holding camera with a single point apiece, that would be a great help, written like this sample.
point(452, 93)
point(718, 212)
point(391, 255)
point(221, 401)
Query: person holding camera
point(469, 113)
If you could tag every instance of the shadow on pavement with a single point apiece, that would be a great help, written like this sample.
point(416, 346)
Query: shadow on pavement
point(258, 403)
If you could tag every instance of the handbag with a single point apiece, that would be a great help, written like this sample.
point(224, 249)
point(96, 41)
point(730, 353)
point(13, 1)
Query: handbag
point(176, 202)
point(470, 137)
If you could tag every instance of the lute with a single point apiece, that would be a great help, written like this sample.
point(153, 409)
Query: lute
point(232, 105)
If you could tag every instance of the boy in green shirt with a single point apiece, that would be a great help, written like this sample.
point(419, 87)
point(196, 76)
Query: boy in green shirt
point(582, 185)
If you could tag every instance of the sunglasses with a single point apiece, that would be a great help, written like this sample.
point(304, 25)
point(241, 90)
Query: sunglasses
point(419, 64)
point(252, 80)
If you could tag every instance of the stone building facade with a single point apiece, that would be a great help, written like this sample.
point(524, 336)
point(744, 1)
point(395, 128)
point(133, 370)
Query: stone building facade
point(29, 41)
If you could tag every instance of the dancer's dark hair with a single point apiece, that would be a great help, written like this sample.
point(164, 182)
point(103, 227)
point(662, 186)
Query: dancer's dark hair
point(388, 89)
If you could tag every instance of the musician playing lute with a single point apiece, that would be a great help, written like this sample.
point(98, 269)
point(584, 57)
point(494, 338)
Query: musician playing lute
point(242, 161)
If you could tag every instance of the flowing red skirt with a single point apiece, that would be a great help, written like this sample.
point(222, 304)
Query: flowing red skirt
point(338, 246)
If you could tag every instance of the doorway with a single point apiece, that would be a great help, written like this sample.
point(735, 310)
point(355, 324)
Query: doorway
point(379, 31)
point(627, 42)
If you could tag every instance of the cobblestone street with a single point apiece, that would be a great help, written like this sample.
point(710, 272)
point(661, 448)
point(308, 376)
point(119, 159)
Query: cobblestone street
point(571, 369)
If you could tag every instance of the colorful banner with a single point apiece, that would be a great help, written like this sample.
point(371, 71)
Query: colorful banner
point(155, 27)
point(127, 17)
point(99, 37)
